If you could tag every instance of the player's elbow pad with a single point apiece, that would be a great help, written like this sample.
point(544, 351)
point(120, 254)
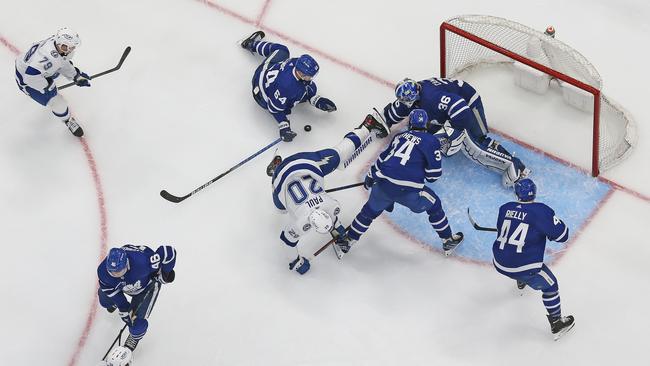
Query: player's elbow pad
point(564, 236)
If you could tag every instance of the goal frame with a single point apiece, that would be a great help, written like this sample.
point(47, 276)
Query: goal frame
point(446, 27)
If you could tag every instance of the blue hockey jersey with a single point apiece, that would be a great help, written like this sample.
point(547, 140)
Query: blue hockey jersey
point(280, 88)
point(523, 229)
point(412, 158)
point(444, 100)
point(144, 267)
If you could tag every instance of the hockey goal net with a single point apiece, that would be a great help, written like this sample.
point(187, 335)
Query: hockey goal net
point(469, 41)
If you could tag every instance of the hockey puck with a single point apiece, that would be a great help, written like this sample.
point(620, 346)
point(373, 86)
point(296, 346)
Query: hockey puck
point(307, 128)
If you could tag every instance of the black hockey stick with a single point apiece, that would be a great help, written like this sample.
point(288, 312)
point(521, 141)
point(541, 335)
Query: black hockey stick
point(344, 187)
point(477, 226)
point(176, 199)
point(117, 339)
point(119, 64)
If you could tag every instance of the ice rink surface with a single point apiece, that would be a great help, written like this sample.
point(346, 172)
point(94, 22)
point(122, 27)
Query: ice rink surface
point(180, 113)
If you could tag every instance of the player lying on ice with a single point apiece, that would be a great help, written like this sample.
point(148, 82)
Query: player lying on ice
point(456, 105)
point(298, 182)
point(280, 82)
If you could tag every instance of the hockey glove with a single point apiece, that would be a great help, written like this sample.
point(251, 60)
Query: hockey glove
point(165, 278)
point(81, 79)
point(368, 181)
point(300, 265)
point(126, 317)
point(285, 131)
point(322, 103)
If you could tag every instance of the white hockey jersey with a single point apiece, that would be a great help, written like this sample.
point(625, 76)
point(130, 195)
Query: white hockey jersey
point(41, 64)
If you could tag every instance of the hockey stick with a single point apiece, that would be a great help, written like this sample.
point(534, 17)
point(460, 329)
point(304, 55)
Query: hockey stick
point(477, 226)
point(119, 64)
point(176, 199)
point(118, 339)
point(344, 187)
point(321, 249)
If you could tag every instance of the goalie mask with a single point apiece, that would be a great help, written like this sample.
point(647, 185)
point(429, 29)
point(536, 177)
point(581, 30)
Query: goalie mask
point(321, 221)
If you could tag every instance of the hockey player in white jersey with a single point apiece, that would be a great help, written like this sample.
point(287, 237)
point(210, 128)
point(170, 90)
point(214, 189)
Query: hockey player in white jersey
point(41, 64)
point(298, 183)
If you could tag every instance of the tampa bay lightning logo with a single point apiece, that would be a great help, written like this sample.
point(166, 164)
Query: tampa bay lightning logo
point(325, 160)
point(306, 227)
point(54, 54)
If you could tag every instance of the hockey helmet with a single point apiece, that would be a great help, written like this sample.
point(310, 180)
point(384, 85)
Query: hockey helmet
point(321, 221)
point(307, 67)
point(525, 189)
point(418, 119)
point(66, 41)
point(117, 262)
point(407, 91)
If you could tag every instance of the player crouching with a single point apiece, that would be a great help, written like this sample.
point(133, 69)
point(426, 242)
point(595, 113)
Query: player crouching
point(139, 272)
point(298, 183)
point(37, 68)
point(399, 176)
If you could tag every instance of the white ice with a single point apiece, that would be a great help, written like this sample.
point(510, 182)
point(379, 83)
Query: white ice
point(180, 112)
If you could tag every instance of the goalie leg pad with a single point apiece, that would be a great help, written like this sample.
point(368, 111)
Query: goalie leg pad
point(492, 155)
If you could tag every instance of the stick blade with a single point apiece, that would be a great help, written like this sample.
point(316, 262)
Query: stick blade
point(170, 197)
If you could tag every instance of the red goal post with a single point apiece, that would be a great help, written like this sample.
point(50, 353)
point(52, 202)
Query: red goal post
point(467, 41)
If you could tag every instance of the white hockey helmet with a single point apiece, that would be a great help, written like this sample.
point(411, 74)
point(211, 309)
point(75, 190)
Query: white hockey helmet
point(321, 221)
point(66, 40)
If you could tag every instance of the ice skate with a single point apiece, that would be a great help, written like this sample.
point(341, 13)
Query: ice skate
point(247, 43)
point(74, 127)
point(560, 325)
point(450, 244)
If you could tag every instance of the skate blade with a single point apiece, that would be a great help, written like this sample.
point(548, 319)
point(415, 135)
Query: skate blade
point(337, 251)
point(564, 331)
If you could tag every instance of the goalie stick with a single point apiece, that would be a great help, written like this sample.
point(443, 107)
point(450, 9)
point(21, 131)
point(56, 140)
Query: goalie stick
point(119, 64)
point(477, 226)
point(176, 199)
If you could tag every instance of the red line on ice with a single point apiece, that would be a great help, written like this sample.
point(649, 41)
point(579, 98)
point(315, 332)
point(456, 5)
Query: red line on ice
point(260, 17)
point(90, 317)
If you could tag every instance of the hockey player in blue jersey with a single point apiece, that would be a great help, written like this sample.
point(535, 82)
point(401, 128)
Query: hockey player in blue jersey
point(298, 183)
point(456, 104)
point(41, 64)
point(523, 227)
point(280, 82)
point(398, 176)
point(136, 271)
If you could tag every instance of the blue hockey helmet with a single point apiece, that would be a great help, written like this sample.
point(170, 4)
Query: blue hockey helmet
point(117, 262)
point(307, 66)
point(525, 189)
point(407, 91)
point(418, 119)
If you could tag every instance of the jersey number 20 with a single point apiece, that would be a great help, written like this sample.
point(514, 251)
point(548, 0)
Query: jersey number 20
point(298, 192)
point(517, 237)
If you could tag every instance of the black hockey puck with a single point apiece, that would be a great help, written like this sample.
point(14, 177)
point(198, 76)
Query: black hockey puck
point(307, 128)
